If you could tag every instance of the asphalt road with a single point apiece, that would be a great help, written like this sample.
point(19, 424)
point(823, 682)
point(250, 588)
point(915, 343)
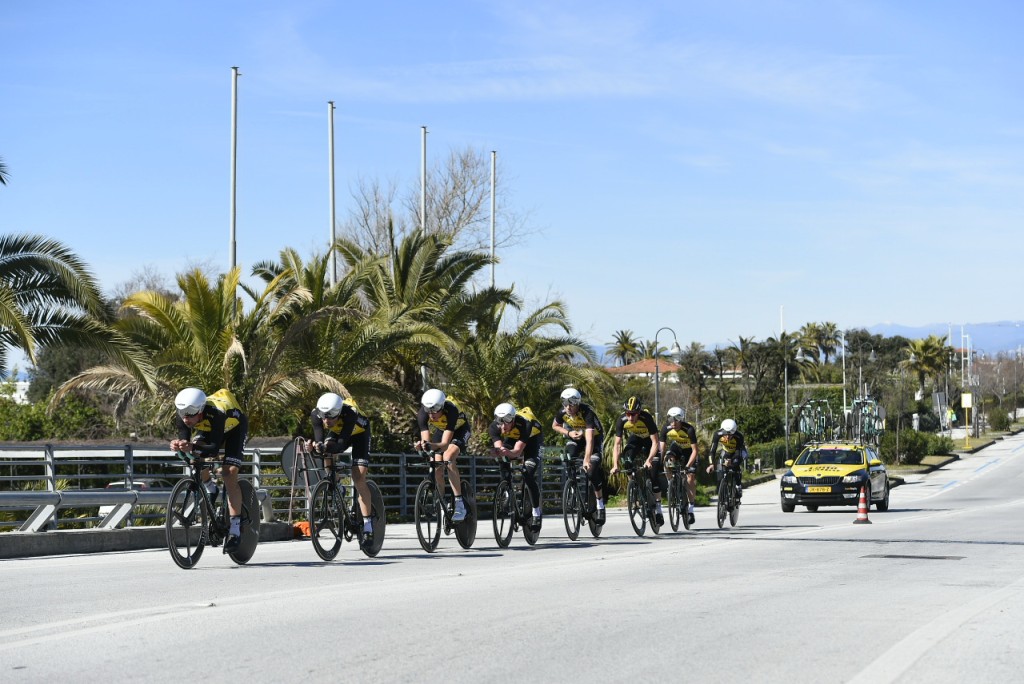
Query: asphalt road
point(931, 591)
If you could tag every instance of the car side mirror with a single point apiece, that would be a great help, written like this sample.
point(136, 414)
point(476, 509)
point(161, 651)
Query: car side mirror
point(789, 463)
point(874, 462)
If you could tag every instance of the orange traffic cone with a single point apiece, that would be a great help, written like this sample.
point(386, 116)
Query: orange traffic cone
point(862, 510)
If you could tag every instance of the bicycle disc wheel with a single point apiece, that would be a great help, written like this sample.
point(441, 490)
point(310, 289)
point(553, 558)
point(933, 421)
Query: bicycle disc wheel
point(734, 507)
point(723, 501)
point(595, 527)
point(250, 524)
point(637, 505)
point(526, 514)
point(673, 504)
point(652, 505)
point(684, 502)
point(378, 515)
point(465, 531)
point(427, 513)
point(571, 509)
point(187, 524)
point(504, 514)
point(325, 520)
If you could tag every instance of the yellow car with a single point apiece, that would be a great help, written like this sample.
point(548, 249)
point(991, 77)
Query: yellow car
point(832, 474)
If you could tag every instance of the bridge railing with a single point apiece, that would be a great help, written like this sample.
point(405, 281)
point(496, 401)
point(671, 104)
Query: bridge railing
point(64, 487)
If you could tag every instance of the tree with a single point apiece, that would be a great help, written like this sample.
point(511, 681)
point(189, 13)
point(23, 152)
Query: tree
point(625, 348)
point(4, 176)
point(48, 297)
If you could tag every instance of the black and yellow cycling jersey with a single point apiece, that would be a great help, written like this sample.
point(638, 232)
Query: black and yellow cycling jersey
point(642, 426)
point(584, 419)
point(522, 428)
point(685, 435)
point(222, 424)
point(731, 444)
point(451, 418)
point(350, 422)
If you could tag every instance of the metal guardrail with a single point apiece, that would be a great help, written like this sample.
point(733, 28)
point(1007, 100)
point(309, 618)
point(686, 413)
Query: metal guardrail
point(52, 487)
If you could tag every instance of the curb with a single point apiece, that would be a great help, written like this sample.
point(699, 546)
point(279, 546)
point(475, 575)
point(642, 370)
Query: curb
point(63, 542)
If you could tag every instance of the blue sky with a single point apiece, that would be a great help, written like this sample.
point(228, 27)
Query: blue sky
point(691, 164)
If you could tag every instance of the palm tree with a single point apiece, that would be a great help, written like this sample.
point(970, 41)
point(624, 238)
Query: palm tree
point(48, 297)
point(625, 348)
point(928, 356)
point(828, 341)
point(4, 176)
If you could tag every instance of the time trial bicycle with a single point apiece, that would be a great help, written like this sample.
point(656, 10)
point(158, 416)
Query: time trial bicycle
point(196, 519)
point(579, 502)
point(433, 509)
point(513, 507)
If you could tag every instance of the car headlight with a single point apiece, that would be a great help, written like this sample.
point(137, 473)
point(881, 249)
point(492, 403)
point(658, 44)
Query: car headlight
point(789, 478)
point(852, 479)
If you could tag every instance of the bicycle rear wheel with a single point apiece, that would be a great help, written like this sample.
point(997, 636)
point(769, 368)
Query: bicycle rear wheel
point(250, 524)
point(734, 505)
point(325, 520)
point(684, 501)
point(637, 507)
point(652, 505)
point(187, 524)
point(723, 499)
point(465, 531)
point(378, 517)
point(427, 512)
point(673, 503)
point(525, 514)
point(504, 513)
point(571, 509)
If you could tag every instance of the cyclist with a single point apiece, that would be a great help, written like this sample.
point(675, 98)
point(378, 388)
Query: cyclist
point(516, 435)
point(442, 421)
point(205, 424)
point(734, 451)
point(584, 437)
point(337, 425)
point(643, 434)
point(680, 439)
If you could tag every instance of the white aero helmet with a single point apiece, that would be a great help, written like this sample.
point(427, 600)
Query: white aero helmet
point(506, 412)
point(433, 400)
point(190, 401)
point(329, 405)
point(729, 426)
point(571, 397)
point(676, 413)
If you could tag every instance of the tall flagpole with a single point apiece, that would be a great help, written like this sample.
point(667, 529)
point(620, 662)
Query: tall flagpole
point(423, 180)
point(234, 162)
point(494, 158)
point(330, 175)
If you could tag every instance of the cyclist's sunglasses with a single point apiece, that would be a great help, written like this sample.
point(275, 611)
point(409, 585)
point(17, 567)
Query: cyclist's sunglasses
point(183, 414)
point(333, 414)
point(567, 402)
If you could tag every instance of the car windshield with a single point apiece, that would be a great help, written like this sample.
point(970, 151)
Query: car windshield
point(830, 457)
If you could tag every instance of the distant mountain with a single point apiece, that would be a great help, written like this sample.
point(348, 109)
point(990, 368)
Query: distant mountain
point(990, 338)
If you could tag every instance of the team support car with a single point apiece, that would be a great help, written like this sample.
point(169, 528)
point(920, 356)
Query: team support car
point(832, 474)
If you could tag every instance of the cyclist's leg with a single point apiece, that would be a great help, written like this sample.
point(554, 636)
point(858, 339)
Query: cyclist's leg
point(598, 478)
point(531, 468)
point(360, 465)
point(234, 443)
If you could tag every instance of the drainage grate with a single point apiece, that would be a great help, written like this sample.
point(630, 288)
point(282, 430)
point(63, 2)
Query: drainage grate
point(897, 555)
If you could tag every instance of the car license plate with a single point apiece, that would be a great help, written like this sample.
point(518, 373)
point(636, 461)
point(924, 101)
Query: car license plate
point(819, 490)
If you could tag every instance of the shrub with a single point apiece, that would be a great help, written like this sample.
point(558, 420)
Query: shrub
point(999, 420)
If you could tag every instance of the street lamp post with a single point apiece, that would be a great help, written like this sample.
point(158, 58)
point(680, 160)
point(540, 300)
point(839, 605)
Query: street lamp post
point(785, 386)
point(676, 352)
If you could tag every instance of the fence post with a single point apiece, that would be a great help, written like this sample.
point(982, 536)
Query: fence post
point(403, 487)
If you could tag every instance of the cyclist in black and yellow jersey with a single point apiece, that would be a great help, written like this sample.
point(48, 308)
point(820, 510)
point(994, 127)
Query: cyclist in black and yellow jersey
point(444, 429)
point(515, 435)
point(734, 451)
point(338, 424)
point(680, 440)
point(642, 439)
point(204, 425)
point(585, 437)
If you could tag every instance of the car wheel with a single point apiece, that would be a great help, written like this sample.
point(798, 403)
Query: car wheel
point(788, 507)
point(883, 503)
point(813, 508)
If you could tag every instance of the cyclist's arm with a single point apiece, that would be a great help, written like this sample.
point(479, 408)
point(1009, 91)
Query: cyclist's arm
point(589, 450)
point(616, 449)
point(559, 427)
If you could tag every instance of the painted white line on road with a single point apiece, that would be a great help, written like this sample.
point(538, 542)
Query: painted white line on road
point(892, 664)
point(980, 468)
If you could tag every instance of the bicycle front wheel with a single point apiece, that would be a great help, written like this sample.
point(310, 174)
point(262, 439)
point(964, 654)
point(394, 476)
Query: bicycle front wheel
point(465, 531)
point(427, 513)
point(325, 520)
point(187, 524)
point(673, 503)
point(571, 509)
point(504, 514)
point(652, 505)
point(637, 507)
point(723, 499)
point(250, 516)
